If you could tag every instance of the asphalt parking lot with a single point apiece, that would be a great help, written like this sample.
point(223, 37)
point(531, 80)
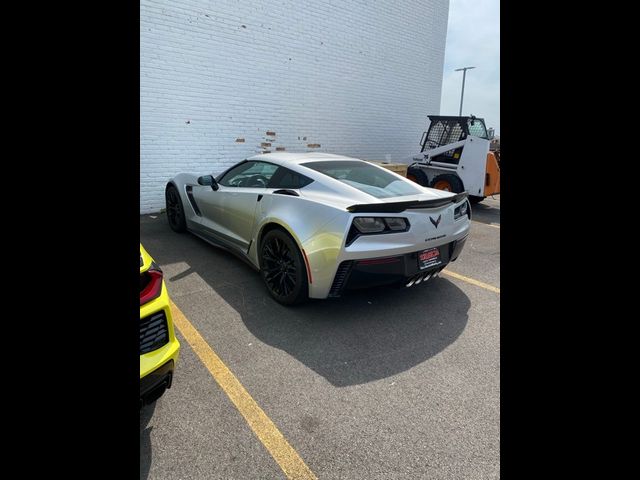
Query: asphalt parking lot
point(379, 384)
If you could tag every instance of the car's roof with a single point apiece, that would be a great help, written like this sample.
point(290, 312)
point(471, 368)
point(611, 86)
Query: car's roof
point(297, 158)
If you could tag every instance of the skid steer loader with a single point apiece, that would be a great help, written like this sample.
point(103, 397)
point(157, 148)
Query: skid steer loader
point(455, 156)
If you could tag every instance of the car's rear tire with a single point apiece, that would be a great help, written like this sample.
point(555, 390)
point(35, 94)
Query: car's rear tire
point(416, 174)
point(283, 269)
point(175, 210)
point(448, 183)
point(474, 199)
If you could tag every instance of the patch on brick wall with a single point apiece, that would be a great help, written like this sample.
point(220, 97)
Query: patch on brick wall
point(279, 149)
point(239, 140)
point(265, 144)
point(313, 145)
point(271, 134)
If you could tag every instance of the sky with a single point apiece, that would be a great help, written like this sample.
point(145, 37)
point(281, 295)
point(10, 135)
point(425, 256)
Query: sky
point(473, 39)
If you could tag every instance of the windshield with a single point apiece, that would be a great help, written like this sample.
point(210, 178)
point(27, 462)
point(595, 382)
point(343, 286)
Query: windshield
point(365, 177)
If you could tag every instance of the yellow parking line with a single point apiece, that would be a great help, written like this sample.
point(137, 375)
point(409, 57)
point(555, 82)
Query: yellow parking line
point(282, 452)
point(477, 283)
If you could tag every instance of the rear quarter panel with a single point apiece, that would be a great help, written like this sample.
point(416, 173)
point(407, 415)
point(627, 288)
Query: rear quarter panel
point(306, 221)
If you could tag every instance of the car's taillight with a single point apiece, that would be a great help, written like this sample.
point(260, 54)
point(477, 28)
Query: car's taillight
point(150, 284)
point(376, 225)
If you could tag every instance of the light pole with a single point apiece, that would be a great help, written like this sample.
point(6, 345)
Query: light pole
point(464, 74)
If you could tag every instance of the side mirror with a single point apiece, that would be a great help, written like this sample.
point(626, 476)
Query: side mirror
point(208, 180)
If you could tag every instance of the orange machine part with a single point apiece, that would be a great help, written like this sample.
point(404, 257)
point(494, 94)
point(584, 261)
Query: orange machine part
point(492, 176)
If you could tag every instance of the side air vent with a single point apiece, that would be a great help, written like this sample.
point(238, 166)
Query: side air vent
point(192, 200)
point(340, 280)
point(154, 332)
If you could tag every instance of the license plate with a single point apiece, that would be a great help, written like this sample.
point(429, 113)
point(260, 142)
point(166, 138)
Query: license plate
point(429, 258)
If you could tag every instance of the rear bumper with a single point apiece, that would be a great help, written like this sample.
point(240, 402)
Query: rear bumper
point(392, 270)
point(457, 246)
point(159, 354)
point(155, 383)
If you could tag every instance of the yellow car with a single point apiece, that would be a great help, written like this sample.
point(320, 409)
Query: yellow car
point(159, 347)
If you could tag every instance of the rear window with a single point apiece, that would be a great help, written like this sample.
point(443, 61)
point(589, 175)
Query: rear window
point(365, 177)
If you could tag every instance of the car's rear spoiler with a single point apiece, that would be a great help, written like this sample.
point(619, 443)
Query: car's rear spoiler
point(397, 207)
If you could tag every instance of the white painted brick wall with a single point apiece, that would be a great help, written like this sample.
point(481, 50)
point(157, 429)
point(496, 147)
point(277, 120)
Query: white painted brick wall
point(356, 77)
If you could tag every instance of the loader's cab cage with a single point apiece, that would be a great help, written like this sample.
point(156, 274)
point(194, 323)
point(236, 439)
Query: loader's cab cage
point(444, 130)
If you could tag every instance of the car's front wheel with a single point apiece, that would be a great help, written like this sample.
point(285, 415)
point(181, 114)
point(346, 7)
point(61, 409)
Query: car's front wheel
point(175, 210)
point(283, 269)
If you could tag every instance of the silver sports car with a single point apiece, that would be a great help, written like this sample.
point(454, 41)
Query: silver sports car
point(316, 225)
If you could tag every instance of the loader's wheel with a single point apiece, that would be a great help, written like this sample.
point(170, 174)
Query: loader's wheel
point(448, 183)
point(417, 175)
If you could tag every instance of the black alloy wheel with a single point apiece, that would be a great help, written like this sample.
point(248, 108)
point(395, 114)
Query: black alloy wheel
point(175, 211)
point(283, 269)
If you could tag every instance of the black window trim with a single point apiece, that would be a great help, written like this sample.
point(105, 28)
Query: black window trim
point(276, 174)
point(222, 175)
point(280, 172)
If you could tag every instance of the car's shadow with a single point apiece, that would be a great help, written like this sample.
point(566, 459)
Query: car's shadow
point(486, 212)
point(364, 336)
point(145, 439)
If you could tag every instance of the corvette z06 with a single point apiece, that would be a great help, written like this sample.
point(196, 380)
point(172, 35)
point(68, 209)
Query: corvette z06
point(317, 225)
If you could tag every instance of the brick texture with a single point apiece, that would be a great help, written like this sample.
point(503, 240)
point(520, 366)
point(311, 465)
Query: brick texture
point(357, 78)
